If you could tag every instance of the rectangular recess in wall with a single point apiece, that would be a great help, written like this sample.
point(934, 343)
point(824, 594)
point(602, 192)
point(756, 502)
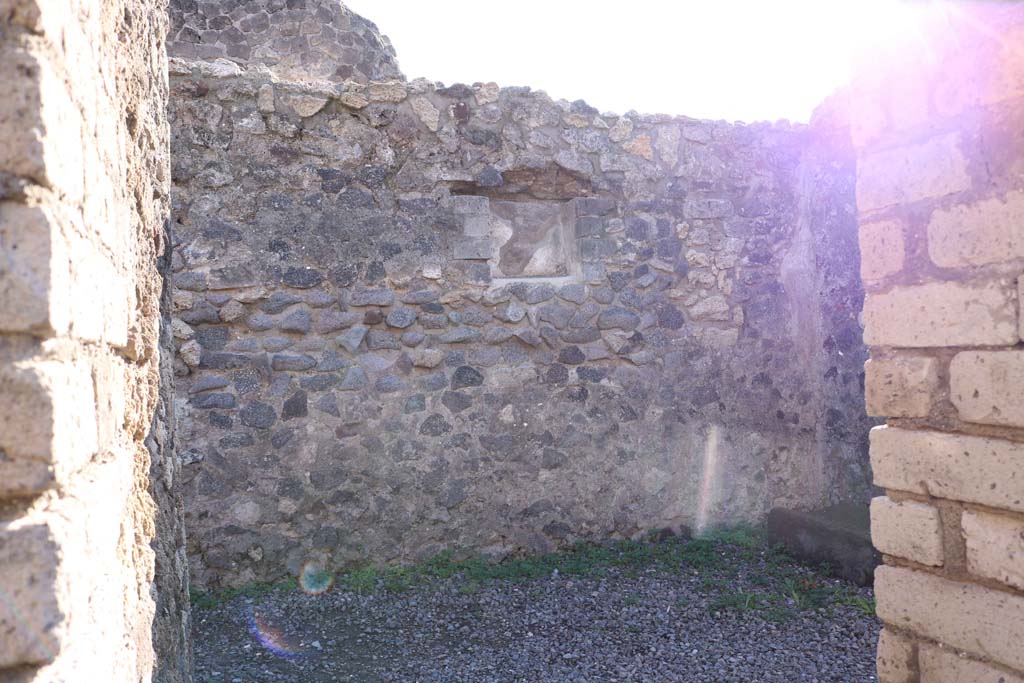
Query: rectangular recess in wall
point(520, 239)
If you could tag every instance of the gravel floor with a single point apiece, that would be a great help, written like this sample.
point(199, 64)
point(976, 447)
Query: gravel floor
point(739, 621)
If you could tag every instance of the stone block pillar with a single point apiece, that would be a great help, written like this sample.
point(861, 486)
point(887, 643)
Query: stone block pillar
point(939, 129)
point(92, 568)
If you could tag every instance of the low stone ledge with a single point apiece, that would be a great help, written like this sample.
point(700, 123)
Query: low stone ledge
point(838, 535)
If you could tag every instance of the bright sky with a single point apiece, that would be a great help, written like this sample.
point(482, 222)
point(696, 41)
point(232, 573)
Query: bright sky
point(745, 60)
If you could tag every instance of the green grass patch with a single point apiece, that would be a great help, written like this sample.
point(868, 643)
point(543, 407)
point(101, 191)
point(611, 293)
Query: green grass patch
point(864, 605)
point(738, 601)
point(808, 593)
point(212, 599)
point(717, 558)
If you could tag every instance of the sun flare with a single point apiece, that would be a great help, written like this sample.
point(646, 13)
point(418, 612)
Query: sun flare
point(735, 60)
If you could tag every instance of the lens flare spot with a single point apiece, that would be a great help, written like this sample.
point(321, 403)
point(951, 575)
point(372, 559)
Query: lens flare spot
point(709, 481)
point(272, 639)
point(315, 579)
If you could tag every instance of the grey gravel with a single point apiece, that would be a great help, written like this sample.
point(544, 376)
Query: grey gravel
point(648, 625)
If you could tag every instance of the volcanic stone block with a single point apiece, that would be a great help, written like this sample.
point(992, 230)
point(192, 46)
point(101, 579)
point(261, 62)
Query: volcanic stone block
point(330, 321)
point(279, 301)
point(352, 338)
point(420, 296)
point(401, 317)
point(295, 363)
point(372, 297)
point(555, 314)
point(213, 400)
point(571, 355)
point(427, 358)
point(297, 321)
point(295, 406)
point(355, 379)
point(388, 384)
point(435, 425)
point(511, 312)
point(617, 318)
point(413, 338)
point(302, 278)
point(258, 415)
point(259, 322)
point(466, 376)
point(536, 294)
point(379, 339)
point(459, 335)
point(576, 294)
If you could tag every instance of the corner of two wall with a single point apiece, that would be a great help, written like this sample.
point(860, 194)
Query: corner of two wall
point(831, 331)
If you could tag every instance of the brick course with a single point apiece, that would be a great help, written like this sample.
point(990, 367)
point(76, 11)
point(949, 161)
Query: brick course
point(985, 387)
point(981, 233)
point(995, 546)
point(897, 658)
point(904, 386)
point(903, 175)
point(972, 469)
point(882, 249)
point(970, 617)
point(938, 159)
point(942, 314)
point(939, 665)
point(909, 530)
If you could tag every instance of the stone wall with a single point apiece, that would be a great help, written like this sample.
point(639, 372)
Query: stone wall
point(412, 317)
point(940, 191)
point(295, 39)
point(92, 564)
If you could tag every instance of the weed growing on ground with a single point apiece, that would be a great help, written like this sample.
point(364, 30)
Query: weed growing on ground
point(738, 600)
point(204, 600)
point(717, 560)
point(806, 593)
point(361, 581)
point(860, 603)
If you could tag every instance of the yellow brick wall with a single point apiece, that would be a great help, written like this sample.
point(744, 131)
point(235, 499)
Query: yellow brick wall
point(937, 121)
point(92, 584)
